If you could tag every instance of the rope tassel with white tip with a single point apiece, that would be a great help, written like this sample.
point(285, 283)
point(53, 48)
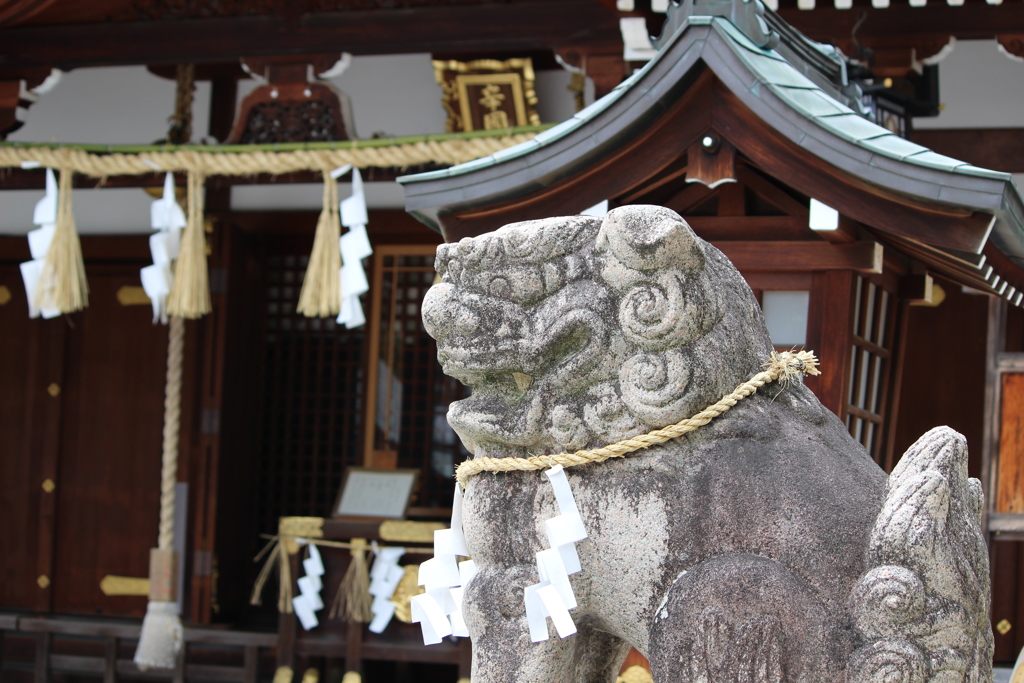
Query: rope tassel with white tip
point(161, 635)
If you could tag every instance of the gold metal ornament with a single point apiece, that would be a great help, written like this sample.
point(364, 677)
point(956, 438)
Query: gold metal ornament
point(48, 485)
point(132, 296)
point(302, 527)
point(124, 585)
point(1004, 627)
point(407, 588)
point(404, 531)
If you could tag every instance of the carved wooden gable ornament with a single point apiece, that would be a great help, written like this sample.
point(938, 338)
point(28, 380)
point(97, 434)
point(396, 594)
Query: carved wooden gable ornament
point(487, 94)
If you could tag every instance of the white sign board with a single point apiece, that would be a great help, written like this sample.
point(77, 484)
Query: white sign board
point(376, 493)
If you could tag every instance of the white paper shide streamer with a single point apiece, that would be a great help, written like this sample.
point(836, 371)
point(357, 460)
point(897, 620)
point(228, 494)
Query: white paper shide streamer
point(45, 216)
point(553, 597)
point(308, 602)
point(167, 219)
point(355, 246)
point(384, 579)
point(439, 610)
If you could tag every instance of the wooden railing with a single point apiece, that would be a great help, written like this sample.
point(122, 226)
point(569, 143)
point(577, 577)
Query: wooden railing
point(105, 648)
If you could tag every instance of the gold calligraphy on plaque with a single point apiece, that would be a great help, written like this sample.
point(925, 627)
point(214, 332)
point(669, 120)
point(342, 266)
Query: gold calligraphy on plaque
point(487, 94)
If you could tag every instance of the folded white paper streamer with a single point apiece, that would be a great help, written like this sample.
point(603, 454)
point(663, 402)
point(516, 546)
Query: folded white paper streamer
point(354, 246)
point(45, 216)
point(166, 216)
point(444, 579)
point(385, 576)
point(308, 601)
point(553, 597)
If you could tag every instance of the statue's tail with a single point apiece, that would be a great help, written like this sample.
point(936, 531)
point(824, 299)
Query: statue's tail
point(921, 611)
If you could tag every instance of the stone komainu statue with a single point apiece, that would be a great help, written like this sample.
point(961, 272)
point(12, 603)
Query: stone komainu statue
point(765, 546)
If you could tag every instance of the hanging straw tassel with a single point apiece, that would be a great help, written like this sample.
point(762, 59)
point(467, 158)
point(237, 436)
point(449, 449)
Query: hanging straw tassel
point(353, 599)
point(161, 635)
point(321, 293)
point(62, 283)
point(190, 293)
point(278, 558)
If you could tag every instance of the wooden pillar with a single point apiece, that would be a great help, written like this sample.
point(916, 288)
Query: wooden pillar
point(223, 96)
point(354, 647)
point(829, 330)
point(994, 346)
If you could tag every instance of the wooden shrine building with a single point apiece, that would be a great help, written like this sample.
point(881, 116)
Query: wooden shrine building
point(902, 268)
point(758, 138)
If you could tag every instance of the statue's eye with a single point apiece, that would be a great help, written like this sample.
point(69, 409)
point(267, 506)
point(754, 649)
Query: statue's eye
point(499, 287)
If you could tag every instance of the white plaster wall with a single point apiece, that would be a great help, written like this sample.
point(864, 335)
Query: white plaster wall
point(106, 211)
point(299, 196)
point(980, 88)
point(554, 101)
point(111, 105)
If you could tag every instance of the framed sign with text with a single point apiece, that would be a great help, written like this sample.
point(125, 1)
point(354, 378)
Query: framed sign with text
point(379, 493)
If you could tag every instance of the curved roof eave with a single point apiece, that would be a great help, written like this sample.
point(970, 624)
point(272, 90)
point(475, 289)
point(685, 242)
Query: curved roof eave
point(769, 86)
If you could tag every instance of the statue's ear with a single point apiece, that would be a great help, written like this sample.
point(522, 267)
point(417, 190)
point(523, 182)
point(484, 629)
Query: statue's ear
point(650, 238)
point(444, 253)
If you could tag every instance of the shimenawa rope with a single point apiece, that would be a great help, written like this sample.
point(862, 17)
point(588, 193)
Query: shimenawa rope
point(783, 366)
point(214, 162)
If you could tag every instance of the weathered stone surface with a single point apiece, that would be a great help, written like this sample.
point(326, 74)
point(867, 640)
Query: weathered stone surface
point(750, 550)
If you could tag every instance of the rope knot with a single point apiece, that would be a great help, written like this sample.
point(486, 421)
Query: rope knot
point(789, 364)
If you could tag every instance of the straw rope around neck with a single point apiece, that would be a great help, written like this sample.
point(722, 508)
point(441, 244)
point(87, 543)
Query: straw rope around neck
point(783, 366)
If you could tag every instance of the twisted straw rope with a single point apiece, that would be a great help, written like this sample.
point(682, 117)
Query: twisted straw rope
point(447, 152)
point(172, 422)
point(784, 365)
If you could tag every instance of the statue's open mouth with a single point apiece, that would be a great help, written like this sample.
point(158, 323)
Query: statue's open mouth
point(486, 421)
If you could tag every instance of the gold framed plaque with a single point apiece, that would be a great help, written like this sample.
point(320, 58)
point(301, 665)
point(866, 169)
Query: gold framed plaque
point(487, 94)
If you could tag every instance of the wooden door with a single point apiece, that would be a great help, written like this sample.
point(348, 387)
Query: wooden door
point(81, 415)
point(110, 450)
point(29, 362)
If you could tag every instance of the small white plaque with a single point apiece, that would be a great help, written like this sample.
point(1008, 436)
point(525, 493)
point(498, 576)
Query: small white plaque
point(376, 493)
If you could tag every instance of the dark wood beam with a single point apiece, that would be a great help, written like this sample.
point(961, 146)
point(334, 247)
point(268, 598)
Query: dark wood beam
point(758, 256)
point(972, 20)
point(491, 27)
point(1000, 149)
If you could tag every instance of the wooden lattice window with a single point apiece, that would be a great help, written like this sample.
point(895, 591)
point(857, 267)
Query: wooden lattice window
point(313, 393)
point(408, 394)
point(874, 315)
